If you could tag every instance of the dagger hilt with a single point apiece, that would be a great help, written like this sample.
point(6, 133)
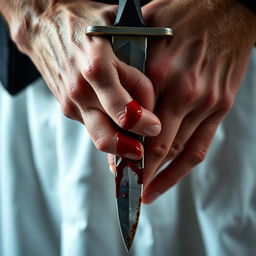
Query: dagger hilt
point(129, 22)
point(128, 31)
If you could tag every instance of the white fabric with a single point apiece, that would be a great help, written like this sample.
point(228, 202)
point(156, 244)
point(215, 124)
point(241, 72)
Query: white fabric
point(57, 195)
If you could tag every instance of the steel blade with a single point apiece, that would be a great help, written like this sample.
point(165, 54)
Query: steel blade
point(128, 205)
point(132, 51)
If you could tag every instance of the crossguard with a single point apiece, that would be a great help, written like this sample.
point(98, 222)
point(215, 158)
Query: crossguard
point(128, 31)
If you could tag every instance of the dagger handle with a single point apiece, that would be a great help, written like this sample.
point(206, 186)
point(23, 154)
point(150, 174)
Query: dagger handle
point(133, 55)
point(129, 14)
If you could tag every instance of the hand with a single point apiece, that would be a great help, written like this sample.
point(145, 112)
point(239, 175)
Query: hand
point(83, 73)
point(196, 76)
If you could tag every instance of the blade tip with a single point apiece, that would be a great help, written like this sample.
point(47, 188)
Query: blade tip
point(128, 243)
point(127, 247)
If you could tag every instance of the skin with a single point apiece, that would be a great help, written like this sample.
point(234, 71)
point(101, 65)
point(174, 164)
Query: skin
point(205, 62)
point(91, 84)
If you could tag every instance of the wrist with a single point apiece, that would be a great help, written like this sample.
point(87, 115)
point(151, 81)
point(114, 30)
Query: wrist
point(22, 17)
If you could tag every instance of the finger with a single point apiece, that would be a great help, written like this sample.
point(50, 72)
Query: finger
point(188, 126)
point(102, 130)
point(201, 110)
point(193, 154)
point(69, 109)
point(56, 86)
point(107, 138)
point(157, 148)
point(111, 163)
point(141, 92)
point(104, 73)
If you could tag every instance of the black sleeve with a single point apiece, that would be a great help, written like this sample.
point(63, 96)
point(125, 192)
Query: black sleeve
point(251, 4)
point(16, 69)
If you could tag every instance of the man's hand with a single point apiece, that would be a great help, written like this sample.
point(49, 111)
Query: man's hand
point(88, 80)
point(196, 76)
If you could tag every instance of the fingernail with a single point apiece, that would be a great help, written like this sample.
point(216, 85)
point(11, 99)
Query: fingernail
point(152, 130)
point(151, 197)
point(112, 169)
point(131, 156)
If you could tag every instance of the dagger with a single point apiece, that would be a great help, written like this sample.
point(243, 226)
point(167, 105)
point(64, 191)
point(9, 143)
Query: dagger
point(129, 41)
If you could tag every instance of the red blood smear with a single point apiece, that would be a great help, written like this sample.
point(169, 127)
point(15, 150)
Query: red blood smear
point(125, 195)
point(133, 114)
point(133, 165)
point(124, 162)
point(126, 184)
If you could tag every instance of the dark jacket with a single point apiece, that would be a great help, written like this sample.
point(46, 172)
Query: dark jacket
point(16, 70)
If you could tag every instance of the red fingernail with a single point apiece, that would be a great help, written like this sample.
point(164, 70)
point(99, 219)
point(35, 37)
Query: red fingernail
point(128, 147)
point(133, 114)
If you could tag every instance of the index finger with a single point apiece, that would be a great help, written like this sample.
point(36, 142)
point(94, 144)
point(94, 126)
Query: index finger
point(116, 86)
point(193, 154)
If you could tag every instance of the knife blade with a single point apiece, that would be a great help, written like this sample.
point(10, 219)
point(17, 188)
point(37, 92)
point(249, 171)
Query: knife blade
point(129, 41)
point(129, 174)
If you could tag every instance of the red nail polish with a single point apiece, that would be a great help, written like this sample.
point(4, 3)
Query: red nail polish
point(133, 114)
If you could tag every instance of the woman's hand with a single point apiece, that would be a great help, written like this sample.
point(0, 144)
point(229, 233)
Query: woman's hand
point(91, 84)
point(196, 76)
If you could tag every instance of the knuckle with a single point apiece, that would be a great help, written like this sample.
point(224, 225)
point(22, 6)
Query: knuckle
point(174, 150)
point(68, 109)
point(198, 155)
point(73, 91)
point(190, 94)
point(225, 103)
point(94, 68)
point(77, 90)
point(187, 95)
point(100, 139)
point(188, 90)
point(101, 143)
point(160, 149)
point(210, 100)
point(157, 74)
